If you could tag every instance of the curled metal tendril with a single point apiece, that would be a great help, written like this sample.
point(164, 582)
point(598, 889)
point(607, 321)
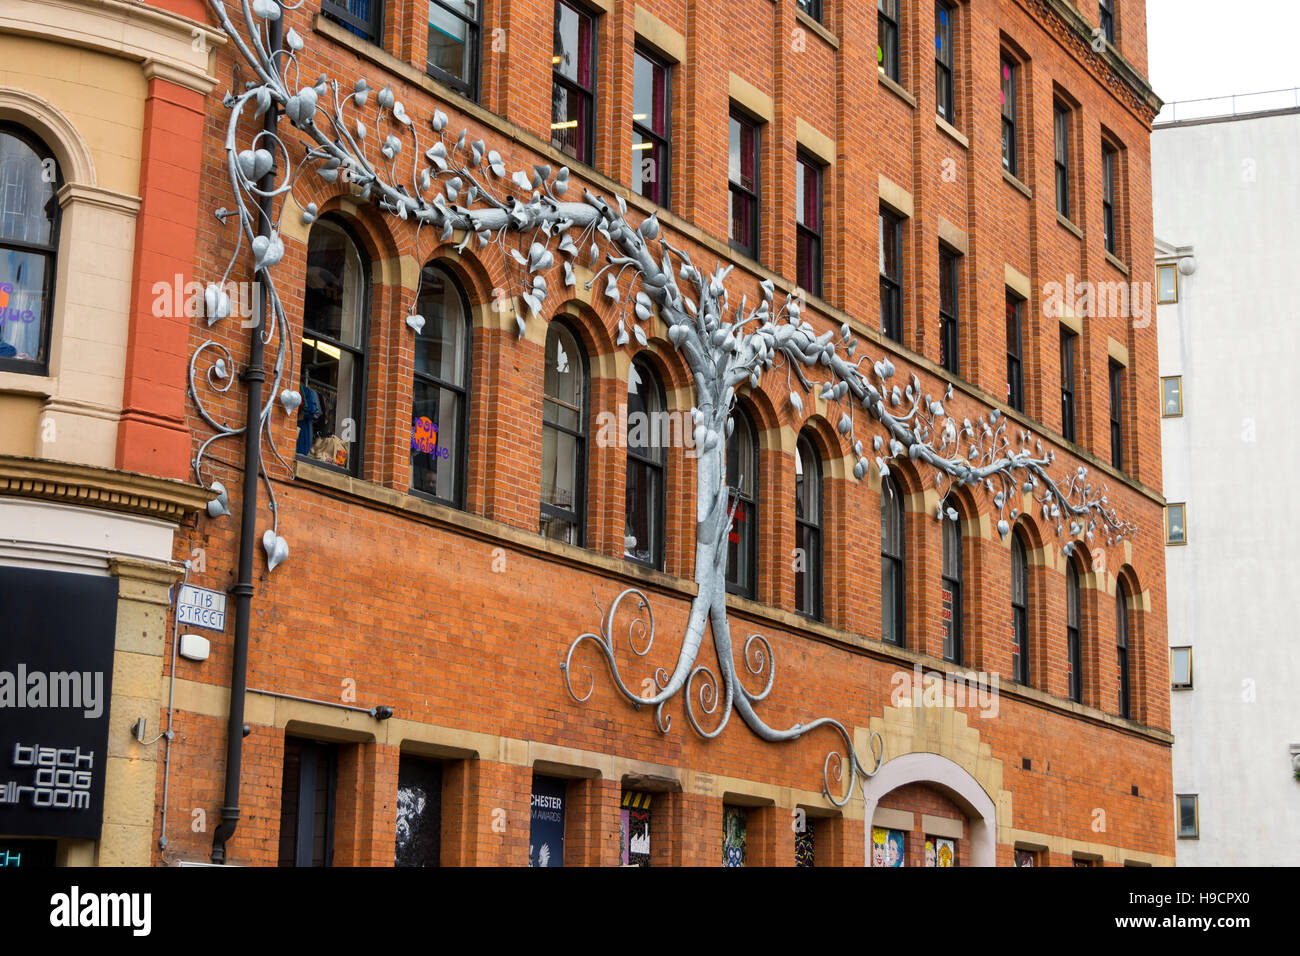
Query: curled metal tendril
point(756, 659)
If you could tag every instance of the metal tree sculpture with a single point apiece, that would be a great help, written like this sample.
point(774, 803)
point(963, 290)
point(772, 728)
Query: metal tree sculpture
point(464, 187)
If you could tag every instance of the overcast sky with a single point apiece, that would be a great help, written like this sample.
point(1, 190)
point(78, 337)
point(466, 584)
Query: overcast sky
point(1203, 48)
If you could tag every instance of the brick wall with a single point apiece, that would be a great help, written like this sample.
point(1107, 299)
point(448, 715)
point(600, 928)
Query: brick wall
point(460, 622)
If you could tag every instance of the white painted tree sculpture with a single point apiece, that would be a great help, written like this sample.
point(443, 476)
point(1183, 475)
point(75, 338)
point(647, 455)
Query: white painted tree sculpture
point(462, 186)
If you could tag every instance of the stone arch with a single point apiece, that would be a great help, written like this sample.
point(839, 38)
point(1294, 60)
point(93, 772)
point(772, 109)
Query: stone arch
point(954, 781)
point(45, 120)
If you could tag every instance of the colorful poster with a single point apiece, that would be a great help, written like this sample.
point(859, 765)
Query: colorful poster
point(940, 852)
point(1026, 858)
point(887, 847)
point(805, 844)
point(635, 829)
point(734, 821)
point(546, 836)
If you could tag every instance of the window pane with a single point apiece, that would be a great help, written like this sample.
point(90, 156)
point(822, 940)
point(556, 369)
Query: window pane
point(807, 483)
point(560, 456)
point(888, 591)
point(1072, 596)
point(335, 285)
point(890, 263)
point(740, 548)
point(22, 304)
point(1177, 524)
point(646, 423)
point(1009, 91)
point(1173, 391)
point(27, 203)
point(1019, 573)
point(450, 36)
point(572, 56)
point(436, 442)
point(1182, 666)
point(649, 86)
point(643, 504)
point(1187, 816)
point(563, 403)
point(951, 544)
point(740, 456)
point(1168, 283)
point(441, 345)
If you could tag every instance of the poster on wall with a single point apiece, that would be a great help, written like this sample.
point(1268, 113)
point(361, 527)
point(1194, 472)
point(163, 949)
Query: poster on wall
point(805, 844)
point(546, 835)
point(940, 852)
point(1025, 858)
point(56, 674)
point(887, 847)
point(634, 829)
point(734, 824)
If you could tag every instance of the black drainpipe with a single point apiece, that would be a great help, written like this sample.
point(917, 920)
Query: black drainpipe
point(254, 376)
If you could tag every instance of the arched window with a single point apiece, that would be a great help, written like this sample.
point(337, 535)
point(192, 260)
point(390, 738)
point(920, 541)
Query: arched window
point(742, 479)
point(440, 397)
point(808, 529)
point(892, 576)
point(1073, 632)
point(564, 437)
point(335, 305)
point(643, 536)
point(1019, 610)
point(1121, 648)
point(29, 240)
point(952, 583)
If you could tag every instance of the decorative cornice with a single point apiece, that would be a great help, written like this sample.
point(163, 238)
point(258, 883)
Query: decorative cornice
point(1128, 78)
point(103, 488)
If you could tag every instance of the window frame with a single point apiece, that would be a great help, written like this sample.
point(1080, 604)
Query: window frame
point(1062, 115)
point(577, 517)
point(1015, 359)
point(954, 584)
point(1123, 660)
point(1174, 684)
point(361, 387)
point(813, 591)
point(811, 8)
point(372, 30)
point(806, 164)
point(1196, 815)
point(945, 92)
point(461, 477)
point(658, 507)
point(662, 142)
point(1173, 268)
point(1069, 411)
point(1020, 656)
point(1116, 383)
point(474, 49)
point(740, 416)
point(50, 251)
point(949, 328)
point(895, 32)
point(1106, 20)
point(891, 304)
point(891, 492)
point(1010, 150)
point(1109, 180)
point(1169, 507)
point(1074, 633)
point(572, 87)
point(752, 197)
point(1164, 396)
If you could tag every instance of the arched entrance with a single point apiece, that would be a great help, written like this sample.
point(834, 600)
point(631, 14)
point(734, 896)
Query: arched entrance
point(952, 780)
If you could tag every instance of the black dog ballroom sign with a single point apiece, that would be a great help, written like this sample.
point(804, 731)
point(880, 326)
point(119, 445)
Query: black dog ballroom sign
point(56, 668)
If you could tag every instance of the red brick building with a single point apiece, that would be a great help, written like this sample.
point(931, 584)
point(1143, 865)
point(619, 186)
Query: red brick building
point(939, 177)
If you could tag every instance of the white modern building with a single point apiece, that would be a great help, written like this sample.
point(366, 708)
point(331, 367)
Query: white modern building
point(1226, 191)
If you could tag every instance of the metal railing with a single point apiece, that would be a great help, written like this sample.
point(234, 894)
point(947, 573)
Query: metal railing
point(1237, 104)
